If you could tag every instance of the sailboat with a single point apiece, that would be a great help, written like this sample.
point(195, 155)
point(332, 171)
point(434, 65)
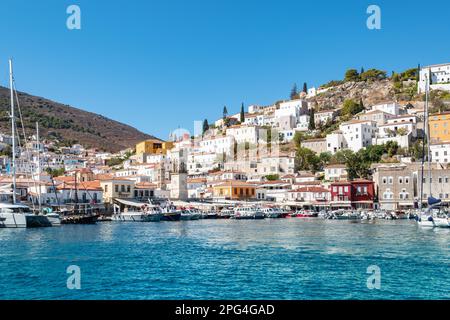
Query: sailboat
point(15, 214)
point(432, 216)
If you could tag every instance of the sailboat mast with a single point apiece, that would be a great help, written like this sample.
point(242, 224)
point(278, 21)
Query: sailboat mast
point(427, 127)
point(13, 130)
point(38, 165)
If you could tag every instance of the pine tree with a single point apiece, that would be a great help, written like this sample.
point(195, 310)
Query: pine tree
point(205, 126)
point(362, 70)
point(294, 91)
point(305, 87)
point(242, 113)
point(312, 123)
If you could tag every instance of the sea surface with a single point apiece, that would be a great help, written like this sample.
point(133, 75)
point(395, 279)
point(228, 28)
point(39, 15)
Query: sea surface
point(228, 259)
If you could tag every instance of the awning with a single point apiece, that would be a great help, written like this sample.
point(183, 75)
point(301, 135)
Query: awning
point(132, 203)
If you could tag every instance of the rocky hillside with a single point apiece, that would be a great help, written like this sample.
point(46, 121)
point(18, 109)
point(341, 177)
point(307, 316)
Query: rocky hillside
point(370, 92)
point(69, 125)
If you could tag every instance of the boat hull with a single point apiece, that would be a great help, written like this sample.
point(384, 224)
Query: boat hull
point(171, 217)
point(79, 220)
point(442, 222)
point(156, 217)
point(37, 221)
point(13, 220)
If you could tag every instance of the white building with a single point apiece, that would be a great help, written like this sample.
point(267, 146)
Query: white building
point(200, 162)
point(325, 115)
point(380, 117)
point(335, 142)
point(358, 133)
point(439, 76)
point(335, 172)
point(242, 134)
point(292, 108)
point(389, 107)
point(440, 152)
point(302, 122)
point(276, 165)
point(218, 144)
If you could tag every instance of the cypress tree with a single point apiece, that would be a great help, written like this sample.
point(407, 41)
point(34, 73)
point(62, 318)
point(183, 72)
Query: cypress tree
point(225, 112)
point(205, 126)
point(294, 91)
point(242, 113)
point(312, 123)
point(305, 87)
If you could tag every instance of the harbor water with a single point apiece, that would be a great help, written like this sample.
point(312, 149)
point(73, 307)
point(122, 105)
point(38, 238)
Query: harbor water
point(228, 259)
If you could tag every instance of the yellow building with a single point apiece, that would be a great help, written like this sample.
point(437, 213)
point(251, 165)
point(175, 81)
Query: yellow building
point(440, 127)
point(234, 190)
point(153, 146)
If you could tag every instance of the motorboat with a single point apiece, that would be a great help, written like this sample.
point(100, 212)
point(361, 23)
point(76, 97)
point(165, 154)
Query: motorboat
point(225, 214)
point(245, 213)
point(271, 212)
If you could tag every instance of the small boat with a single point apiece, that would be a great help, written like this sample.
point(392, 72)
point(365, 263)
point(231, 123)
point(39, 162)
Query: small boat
point(210, 215)
point(442, 222)
point(190, 214)
point(170, 214)
point(225, 214)
point(305, 214)
point(247, 213)
point(271, 212)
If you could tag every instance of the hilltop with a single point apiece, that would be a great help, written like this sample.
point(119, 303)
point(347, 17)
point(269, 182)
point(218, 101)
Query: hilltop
point(69, 125)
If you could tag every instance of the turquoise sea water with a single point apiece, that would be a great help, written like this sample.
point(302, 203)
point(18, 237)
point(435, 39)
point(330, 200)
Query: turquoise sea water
point(220, 259)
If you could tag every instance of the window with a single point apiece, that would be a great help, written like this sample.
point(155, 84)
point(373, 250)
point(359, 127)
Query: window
point(400, 180)
point(440, 179)
point(406, 180)
point(384, 180)
point(116, 188)
point(391, 180)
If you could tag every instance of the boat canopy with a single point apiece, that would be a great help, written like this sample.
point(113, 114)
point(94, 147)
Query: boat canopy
point(432, 201)
point(133, 203)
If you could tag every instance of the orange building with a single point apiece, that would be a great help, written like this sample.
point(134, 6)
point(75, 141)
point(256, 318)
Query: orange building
point(234, 190)
point(440, 127)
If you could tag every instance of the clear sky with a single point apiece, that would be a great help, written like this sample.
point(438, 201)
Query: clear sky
point(160, 64)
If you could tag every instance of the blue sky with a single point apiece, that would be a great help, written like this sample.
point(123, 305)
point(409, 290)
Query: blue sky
point(159, 65)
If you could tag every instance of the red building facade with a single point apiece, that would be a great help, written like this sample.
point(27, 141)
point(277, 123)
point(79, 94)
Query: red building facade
point(352, 194)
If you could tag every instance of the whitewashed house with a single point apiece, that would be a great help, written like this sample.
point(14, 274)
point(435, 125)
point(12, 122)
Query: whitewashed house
point(438, 75)
point(358, 133)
